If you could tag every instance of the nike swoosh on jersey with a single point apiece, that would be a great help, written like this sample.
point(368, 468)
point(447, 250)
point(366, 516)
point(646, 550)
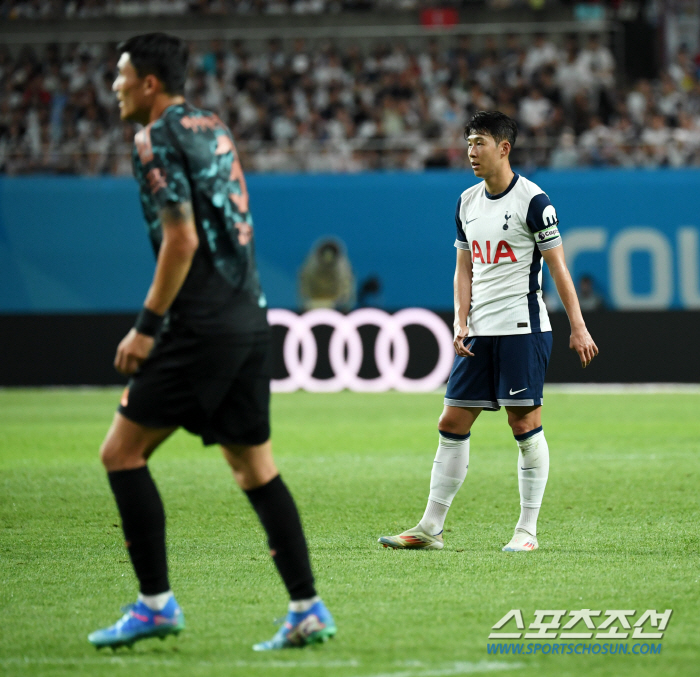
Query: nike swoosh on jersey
point(470, 220)
point(517, 391)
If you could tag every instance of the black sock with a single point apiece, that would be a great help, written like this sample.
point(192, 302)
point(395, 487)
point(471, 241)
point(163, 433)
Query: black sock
point(280, 519)
point(143, 521)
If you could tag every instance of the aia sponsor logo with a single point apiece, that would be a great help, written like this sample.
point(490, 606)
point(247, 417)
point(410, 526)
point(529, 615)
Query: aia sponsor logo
point(501, 252)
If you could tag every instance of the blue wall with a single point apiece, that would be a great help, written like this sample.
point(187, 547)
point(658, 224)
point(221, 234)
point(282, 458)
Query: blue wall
point(76, 244)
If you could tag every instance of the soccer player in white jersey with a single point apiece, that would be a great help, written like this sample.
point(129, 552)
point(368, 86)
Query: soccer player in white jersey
point(506, 225)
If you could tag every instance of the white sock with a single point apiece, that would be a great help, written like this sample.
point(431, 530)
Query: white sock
point(533, 469)
point(449, 471)
point(301, 605)
point(156, 602)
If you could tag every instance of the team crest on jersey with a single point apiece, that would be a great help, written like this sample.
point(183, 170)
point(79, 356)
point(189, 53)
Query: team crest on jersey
point(506, 217)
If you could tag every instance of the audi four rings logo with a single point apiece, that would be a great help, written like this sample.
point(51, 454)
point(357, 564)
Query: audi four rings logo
point(391, 350)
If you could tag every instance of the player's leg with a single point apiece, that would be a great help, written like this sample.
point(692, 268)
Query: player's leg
point(252, 465)
point(470, 389)
point(533, 471)
point(156, 402)
point(308, 621)
point(124, 454)
point(449, 467)
point(241, 425)
point(255, 472)
point(447, 476)
point(524, 360)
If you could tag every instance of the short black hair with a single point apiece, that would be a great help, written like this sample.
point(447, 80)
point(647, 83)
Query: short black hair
point(495, 124)
point(164, 56)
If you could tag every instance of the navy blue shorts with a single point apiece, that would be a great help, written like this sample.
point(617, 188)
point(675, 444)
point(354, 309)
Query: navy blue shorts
point(506, 371)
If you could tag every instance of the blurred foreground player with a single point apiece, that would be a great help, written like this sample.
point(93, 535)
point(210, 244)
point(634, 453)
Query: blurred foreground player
point(506, 225)
point(198, 350)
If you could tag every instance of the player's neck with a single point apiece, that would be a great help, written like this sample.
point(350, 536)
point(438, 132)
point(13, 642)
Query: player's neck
point(500, 180)
point(162, 102)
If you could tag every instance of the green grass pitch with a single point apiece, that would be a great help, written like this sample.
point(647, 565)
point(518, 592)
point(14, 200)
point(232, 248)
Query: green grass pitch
point(618, 530)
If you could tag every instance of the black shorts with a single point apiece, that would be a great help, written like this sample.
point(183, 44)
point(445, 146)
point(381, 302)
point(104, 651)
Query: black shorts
point(217, 387)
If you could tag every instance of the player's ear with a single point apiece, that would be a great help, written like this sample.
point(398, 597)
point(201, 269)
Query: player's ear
point(152, 85)
point(505, 148)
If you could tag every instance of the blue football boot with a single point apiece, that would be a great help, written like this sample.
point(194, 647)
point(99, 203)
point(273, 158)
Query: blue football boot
point(301, 629)
point(140, 622)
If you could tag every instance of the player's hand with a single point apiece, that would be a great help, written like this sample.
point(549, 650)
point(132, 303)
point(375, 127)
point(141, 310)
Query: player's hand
point(582, 342)
point(132, 351)
point(461, 349)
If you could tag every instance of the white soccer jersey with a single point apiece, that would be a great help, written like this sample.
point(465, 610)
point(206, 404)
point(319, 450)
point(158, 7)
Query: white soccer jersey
point(505, 234)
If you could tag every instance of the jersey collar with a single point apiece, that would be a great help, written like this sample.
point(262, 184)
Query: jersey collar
point(172, 106)
point(506, 191)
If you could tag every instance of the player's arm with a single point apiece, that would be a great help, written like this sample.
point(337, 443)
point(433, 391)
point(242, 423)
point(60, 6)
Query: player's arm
point(580, 340)
point(180, 242)
point(463, 299)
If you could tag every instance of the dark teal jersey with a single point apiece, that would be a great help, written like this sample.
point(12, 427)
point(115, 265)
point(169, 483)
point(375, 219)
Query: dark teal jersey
point(188, 155)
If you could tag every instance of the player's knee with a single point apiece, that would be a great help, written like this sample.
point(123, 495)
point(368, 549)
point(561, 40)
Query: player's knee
point(521, 426)
point(108, 454)
point(115, 456)
point(449, 423)
point(252, 465)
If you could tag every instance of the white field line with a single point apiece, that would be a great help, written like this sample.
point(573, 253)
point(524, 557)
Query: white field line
point(458, 668)
point(135, 659)
point(454, 669)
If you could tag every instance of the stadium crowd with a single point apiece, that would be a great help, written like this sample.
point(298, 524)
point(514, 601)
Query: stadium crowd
point(298, 107)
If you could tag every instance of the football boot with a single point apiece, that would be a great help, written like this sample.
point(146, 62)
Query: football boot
point(522, 541)
point(140, 622)
point(413, 539)
point(301, 628)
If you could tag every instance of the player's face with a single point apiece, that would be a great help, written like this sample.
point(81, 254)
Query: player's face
point(485, 154)
point(133, 93)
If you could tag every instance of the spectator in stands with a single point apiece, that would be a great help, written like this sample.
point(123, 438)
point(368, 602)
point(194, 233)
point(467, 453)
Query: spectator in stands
point(535, 111)
point(623, 137)
point(640, 101)
point(683, 150)
point(595, 143)
point(565, 155)
point(541, 53)
point(670, 100)
point(682, 70)
point(655, 138)
point(571, 77)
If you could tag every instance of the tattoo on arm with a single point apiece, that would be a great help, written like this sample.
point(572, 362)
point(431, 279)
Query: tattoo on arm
point(174, 213)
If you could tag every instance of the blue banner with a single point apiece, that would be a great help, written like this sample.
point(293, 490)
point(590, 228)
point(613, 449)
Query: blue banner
point(79, 244)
